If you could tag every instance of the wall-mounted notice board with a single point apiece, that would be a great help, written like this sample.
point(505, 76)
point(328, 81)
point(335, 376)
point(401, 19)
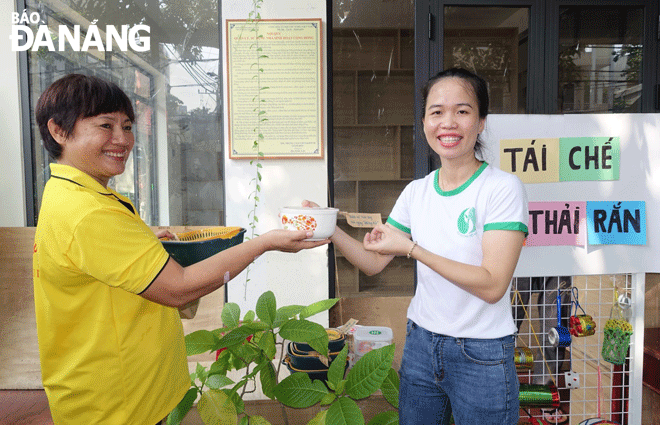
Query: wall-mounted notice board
point(275, 90)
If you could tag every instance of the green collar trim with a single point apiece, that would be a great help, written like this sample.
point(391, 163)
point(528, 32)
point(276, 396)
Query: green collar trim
point(436, 182)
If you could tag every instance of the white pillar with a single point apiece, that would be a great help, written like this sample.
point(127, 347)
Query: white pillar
point(12, 183)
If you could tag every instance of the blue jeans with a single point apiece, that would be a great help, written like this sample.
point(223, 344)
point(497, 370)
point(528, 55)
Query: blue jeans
point(473, 379)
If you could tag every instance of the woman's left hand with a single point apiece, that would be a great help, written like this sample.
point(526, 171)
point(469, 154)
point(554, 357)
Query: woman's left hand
point(165, 234)
point(385, 239)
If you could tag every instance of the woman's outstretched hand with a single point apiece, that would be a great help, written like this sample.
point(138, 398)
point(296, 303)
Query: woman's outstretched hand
point(386, 240)
point(290, 240)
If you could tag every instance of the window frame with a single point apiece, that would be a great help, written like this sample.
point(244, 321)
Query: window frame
point(29, 134)
point(650, 80)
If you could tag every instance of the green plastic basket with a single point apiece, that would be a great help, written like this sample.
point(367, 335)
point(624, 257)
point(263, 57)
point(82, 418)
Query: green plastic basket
point(615, 345)
point(191, 252)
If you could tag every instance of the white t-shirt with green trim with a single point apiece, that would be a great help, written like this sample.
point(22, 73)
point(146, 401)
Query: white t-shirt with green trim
point(451, 224)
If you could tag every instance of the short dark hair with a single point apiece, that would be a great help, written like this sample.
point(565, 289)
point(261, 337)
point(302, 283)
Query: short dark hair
point(73, 97)
point(479, 87)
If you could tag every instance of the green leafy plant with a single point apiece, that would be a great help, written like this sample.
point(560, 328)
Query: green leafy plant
point(372, 372)
point(250, 345)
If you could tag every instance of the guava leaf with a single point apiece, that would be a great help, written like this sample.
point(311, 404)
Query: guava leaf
point(285, 313)
point(390, 388)
point(319, 419)
point(218, 381)
point(201, 341)
point(306, 331)
point(337, 368)
point(390, 417)
point(317, 307)
point(344, 411)
point(268, 380)
point(298, 390)
point(181, 410)
point(215, 407)
point(231, 315)
point(266, 307)
point(368, 374)
point(235, 337)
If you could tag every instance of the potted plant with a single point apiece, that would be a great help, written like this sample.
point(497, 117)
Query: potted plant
point(250, 344)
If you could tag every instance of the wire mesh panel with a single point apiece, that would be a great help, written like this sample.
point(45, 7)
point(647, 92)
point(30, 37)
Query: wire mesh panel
point(577, 368)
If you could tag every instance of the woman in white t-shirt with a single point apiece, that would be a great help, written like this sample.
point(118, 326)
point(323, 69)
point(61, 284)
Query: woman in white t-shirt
point(464, 224)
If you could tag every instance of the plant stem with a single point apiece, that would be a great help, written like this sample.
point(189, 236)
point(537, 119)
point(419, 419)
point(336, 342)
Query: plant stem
point(255, 18)
point(284, 415)
point(279, 364)
point(277, 377)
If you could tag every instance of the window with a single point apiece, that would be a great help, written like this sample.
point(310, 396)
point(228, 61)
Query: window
point(494, 46)
point(600, 59)
point(547, 56)
point(175, 174)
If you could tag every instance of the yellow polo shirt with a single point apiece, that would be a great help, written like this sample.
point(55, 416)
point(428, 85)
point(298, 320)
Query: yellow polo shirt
point(108, 356)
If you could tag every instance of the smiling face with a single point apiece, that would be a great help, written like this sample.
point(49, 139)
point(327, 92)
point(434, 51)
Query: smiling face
point(98, 145)
point(451, 119)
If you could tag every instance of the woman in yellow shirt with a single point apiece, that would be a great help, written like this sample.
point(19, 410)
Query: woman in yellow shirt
point(106, 292)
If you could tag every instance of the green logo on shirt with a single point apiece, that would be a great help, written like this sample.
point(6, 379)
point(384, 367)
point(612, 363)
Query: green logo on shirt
point(467, 222)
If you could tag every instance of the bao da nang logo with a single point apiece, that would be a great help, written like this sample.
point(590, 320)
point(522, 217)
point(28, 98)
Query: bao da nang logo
point(28, 34)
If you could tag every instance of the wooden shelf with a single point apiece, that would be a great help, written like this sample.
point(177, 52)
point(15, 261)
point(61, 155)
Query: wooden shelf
point(373, 48)
point(373, 113)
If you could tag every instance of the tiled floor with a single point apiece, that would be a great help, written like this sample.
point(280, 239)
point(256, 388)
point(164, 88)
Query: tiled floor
point(31, 408)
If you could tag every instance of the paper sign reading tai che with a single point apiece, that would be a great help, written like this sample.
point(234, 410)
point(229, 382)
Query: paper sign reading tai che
point(557, 223)
point(561, 159)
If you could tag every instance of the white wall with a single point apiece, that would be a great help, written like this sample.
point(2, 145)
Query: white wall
point(12, 179)
point(300, 278)
point(639, 180)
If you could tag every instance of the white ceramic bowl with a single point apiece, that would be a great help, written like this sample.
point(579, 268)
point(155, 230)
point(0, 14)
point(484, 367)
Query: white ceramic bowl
point(321, 221)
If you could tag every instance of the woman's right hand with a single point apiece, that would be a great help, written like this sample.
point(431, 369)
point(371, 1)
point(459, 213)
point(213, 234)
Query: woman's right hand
point(387, 240)
point(309, 204)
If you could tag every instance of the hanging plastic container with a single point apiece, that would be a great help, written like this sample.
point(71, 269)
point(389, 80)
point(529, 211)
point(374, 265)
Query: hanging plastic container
point(559, 336)
point(617, 334)
point(524, 358)
point(533, 395)
point(583, 324)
